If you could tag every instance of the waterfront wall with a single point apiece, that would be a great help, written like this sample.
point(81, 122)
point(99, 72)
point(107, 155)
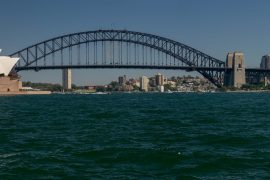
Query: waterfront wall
point(8, 84)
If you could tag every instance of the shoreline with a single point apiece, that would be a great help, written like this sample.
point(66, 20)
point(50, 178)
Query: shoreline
point(13, 93)
point(250, 91)
point(116, 92)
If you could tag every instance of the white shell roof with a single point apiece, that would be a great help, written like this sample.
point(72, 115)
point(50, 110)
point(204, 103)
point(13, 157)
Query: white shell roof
point(6, 64)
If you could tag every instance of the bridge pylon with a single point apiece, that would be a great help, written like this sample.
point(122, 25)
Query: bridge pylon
point(235, 76)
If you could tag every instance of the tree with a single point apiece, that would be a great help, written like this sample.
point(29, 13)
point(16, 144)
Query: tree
point(136, 88)
point(100, 89)
point(169, 87)
point(73, 86)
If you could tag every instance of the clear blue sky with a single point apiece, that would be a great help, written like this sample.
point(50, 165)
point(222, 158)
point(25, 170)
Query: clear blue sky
point(212, 26)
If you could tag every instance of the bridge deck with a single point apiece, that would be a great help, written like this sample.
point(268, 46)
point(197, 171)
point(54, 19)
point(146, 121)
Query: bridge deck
point(37, 68)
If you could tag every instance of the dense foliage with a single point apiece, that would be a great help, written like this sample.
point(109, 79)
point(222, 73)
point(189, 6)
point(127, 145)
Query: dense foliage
point(43, 86)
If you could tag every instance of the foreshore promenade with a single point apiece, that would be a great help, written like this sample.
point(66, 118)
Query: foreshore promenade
point(25, 93)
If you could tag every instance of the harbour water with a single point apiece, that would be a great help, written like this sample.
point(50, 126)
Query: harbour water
point(122, 136)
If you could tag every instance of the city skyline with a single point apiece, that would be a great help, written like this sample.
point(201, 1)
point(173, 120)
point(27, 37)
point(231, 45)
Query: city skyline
point(190, 22)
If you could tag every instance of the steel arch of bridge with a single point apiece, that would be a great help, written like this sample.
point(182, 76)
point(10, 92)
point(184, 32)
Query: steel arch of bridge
point(190, 58)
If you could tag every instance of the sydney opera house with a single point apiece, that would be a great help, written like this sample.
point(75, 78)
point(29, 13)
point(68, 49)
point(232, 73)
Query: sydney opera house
point(9, 82)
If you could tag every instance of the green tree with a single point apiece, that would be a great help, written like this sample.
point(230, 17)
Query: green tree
point(136, 88)
point(100, 89)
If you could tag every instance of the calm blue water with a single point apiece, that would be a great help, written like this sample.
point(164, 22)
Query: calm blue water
point(123, 136)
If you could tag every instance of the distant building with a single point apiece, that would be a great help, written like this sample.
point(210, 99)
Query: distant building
point(127, 87)
point(90, 87)
point(67, 78)
point(159, 79)
point(265, 62)
point(122, 80)
point(137, 83)
point(152, 81)
point(134, 82)
point(161, 88)
point(94, 87)
point(144, 81)
point(172, 83)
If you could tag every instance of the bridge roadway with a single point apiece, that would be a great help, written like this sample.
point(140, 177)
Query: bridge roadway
point(111, 66)
point(116, 66)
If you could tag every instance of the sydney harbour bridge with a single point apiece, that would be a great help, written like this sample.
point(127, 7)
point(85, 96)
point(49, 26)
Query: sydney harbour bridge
point(124, 49)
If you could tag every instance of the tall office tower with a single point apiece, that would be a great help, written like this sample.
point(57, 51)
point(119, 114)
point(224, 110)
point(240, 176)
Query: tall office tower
point(159, 79)
point(67, 79)
point(144, 81)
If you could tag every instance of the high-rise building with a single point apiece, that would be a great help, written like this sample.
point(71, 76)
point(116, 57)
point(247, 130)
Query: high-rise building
point(144, 81)
point(265, 62)
point(67, 78)
point(152, 81)
point(122, 80)
point(159, 79)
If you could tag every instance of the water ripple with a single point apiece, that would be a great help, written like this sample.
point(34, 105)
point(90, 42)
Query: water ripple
point(125, 136)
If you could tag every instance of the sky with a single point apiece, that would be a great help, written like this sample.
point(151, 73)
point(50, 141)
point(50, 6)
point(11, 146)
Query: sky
point(214, 27)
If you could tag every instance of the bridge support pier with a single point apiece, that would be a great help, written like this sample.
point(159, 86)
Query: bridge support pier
point(237, 76)
point(66, 79)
